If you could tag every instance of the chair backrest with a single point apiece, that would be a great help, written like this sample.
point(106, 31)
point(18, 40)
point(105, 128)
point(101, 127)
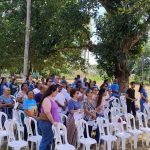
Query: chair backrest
point(114, 111)
point(115, 102)
point(122, 100)
point(63, 118)
point(31, 121)
point(78, 116)
point(102, 124)
point(118, 124)
point(13, 129)
point(142, 118)
point(130, 125)
point(28, 126)
point(107, 112)
point(3, 119)
point(57, 130)
point(21, 117)
point(81, 127)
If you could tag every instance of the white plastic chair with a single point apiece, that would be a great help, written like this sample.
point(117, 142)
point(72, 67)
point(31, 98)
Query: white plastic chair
point(32, 137)
point(63, 118)
point(143, 126)
point(115, 111)
point(59, 144)
point(106, 136)
point(21, 116)
point(3, 132)
point(15, 111)
point(147, 110)
point(120, 132)
point(132, 129)
point(15, 142)
point(87, 142)
point(115, 101)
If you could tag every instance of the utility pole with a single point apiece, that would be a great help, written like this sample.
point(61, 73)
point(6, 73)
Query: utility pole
point(27, 40)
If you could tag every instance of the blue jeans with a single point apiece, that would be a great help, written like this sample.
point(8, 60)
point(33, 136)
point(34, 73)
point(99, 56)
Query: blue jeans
point(141, 105)
point(45, 128)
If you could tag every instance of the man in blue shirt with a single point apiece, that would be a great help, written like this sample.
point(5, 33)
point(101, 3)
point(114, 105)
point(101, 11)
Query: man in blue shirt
point(115, 88)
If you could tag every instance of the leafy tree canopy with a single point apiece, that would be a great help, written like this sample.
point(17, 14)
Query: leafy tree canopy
point(56, 27)
point(122, 32)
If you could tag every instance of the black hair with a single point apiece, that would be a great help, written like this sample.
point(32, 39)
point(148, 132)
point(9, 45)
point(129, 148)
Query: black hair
point(141, 86)
point(94, 82)
point(131, 83)
point(49, 91)
point(2, 79)
point(100, 96)
point(30, 91)
point(22, 85)
point(88, 91)
point(106, 80)
point(47, 80)
point(72, 92)
point(78, 76)
point(69, 85)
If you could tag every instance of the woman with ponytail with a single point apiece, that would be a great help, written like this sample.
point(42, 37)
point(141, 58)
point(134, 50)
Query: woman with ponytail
point(101, 102)
point(48, 116)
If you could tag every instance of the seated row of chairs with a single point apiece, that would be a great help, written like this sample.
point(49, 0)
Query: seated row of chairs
point(117, 126)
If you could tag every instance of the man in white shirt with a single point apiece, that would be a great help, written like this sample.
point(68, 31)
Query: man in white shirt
point(38, 87)
point(68, 97)
point(61, 101)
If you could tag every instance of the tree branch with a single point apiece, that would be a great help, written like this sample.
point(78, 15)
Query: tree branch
point(131, 41)
point(107, 4)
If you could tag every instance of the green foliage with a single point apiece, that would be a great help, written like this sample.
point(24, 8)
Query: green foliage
point(58, 31)
point(122, 32)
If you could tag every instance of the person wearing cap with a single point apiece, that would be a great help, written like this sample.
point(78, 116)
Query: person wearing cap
point(115, 88)
point(7, 103)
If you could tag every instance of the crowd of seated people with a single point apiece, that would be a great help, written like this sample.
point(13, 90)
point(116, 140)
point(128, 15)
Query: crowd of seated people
point(47, 99)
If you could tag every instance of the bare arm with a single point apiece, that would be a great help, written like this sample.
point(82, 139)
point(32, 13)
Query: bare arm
point(47, 110)
point(3, 105)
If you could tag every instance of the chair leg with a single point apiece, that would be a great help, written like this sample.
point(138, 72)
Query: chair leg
point(147, 139)
point(105, 145)
point(108, 145)
point(87, 147)
point(31, 145)
point(123, 144)
point(135, 141)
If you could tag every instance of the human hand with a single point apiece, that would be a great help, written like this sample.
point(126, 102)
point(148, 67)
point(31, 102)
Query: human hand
point(81, 110)
point(10, 105)
point(55, 124)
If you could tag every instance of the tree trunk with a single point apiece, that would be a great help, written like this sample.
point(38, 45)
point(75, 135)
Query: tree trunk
point(27, 34)
point(122, 74)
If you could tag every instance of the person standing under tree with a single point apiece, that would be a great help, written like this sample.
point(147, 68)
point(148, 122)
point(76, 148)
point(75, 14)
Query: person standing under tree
point(144, 96)
point(130, 99)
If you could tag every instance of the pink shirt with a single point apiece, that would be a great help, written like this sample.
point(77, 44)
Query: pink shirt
point(49, 105)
